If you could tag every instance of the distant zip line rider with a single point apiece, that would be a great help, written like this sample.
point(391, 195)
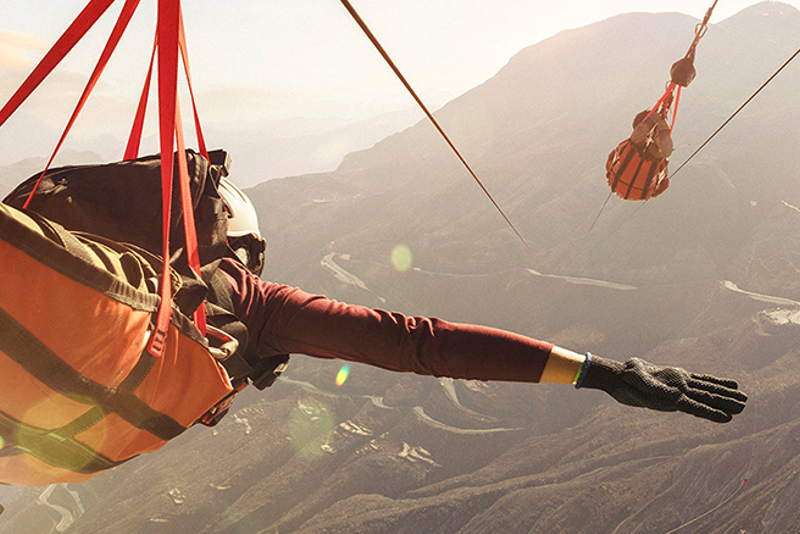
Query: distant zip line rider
point(281, 320)
point(651, 135)
point(637, 168)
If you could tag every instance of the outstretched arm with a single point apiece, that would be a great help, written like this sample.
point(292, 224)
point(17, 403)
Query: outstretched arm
point(282, 319)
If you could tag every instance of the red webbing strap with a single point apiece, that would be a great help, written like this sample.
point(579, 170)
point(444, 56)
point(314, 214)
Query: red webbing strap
point(119, 28)
point(190, 233)
point(170, 129)
point(189, 228)
point(666, 100)
point(675, 109)
point(135, 138)
point(201, 142)
point(167, 93)
point(661, 100)
point(132, 150)
point(85, 20)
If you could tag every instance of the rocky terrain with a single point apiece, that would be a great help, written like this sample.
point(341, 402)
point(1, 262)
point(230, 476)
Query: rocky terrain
point(706, 277)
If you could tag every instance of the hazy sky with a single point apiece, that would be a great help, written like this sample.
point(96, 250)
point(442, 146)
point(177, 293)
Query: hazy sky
point(277, 59)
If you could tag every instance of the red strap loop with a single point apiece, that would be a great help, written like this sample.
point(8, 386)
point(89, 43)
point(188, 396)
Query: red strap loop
point(135, 137)
point(201, 142)
point(134, 140)
point(169, 23)
point(189, 228)
point(82, 23)
point(167, 92)
point(170, 37)
point(116, 34)
point(675, 109)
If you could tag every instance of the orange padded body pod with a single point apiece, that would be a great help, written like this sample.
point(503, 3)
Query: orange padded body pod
point(80, 394)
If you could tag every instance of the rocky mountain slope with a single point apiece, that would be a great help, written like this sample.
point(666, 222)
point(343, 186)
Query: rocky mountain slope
point(705, 277)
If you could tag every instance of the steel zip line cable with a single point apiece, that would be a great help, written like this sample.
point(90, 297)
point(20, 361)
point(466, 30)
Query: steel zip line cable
point(729, 119)
point(723, 125)
point(430, 116)
point(719, 129)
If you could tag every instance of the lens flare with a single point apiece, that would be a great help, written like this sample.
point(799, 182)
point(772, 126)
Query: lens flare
point(311, 426)
point(52, 412)
point(401, 258)
point(341, 376)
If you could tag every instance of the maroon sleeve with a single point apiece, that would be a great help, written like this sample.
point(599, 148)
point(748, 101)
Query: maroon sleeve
point(283, 319)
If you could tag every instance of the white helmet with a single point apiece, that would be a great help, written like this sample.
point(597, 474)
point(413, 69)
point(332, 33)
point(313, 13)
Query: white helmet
point(244, 237)
point(242, 218)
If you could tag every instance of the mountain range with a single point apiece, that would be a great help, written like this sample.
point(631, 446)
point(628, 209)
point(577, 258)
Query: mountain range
point(267, 148)
point(705, 277)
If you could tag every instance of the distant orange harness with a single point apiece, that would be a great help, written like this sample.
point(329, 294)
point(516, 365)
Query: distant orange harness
point(633, 175)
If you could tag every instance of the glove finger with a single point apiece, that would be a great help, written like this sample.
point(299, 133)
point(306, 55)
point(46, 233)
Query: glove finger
point(717, 389)
point(687, 405)
point(724, 382)
point(717, 402)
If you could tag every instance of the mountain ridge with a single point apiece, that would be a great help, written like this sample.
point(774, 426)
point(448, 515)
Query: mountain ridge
point(701, 277)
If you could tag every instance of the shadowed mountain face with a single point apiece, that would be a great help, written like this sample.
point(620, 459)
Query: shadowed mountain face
point(706, 276)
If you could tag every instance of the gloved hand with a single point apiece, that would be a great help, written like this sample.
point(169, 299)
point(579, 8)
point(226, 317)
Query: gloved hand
point(639, 383)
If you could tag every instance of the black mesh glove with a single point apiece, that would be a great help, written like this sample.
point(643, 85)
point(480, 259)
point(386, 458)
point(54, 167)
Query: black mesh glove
point(668, 389)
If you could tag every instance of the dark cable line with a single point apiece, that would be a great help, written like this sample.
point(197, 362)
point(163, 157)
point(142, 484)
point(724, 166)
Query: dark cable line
point(723, 125)
point(430, 116)
point(640, 206)
point(666, 101)
point(693, 154)
point(600, 212)
point(444, 135)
